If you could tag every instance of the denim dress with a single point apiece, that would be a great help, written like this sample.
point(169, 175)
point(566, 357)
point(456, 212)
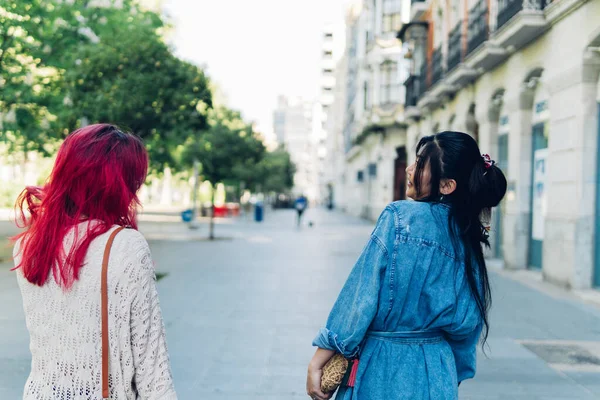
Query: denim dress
point(406, 310)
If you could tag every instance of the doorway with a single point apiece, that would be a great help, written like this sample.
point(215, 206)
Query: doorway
point(596, 281)
point(500, 210)
point(538, 194)
point(400, 174)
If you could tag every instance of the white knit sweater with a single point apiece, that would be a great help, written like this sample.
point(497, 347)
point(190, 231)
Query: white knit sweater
point(65, 327)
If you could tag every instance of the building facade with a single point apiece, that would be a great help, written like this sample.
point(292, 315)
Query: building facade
point(374, 130)
point(522, 77)
point(328, 132)
point(334, 126)
point(294, 127)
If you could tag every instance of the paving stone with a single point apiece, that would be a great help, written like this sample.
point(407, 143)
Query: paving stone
point(241, 314)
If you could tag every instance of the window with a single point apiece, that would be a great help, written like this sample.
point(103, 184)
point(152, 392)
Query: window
point(366, 95)
point(328, 53)
point(360, 176)
point(389, 89)
point(392, 23)
point(327, 71)
point(541, 106)
point(328, 35)
point(373, 21)
point(372, 170)
point(392, 20)
point(438, 25)
point(456, 10)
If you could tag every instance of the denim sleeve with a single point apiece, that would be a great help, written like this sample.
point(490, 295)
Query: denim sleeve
point(464, 349)
point(357, 303)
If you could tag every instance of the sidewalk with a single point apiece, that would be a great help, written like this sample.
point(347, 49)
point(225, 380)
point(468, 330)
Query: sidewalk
point(535, 280)
point(542, 345)
point(241, 313)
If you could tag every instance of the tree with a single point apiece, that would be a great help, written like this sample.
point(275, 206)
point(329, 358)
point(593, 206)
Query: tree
point(273, 173)
point(64, 61)
point(278, 171)
point(226, 151)
point(30, 34)
point(131, 78)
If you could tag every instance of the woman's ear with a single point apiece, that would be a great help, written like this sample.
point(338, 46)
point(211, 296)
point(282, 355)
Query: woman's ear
point(447, 186)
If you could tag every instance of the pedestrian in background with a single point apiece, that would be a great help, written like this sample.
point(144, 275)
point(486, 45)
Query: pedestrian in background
point(301, 204)
point(89, 197)
point(416, 303)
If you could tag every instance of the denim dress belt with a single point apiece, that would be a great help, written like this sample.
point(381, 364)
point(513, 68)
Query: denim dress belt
point(409, 337)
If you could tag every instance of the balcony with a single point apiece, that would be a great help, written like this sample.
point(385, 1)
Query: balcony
point(479, 29)
point(437, 67)
point(417, 9)
point(520, 22)
point(412, 97)
point(486, 57)
point(458, 73)
point(508, 9)
point(490, 35)
point(390, 103)
point(455, 48)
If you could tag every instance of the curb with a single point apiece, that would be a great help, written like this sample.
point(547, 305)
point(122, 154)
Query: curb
point(535, 280)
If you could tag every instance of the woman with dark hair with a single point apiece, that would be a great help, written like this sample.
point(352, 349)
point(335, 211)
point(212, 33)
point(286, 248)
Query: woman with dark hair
point(416, 303)
point(88, 198)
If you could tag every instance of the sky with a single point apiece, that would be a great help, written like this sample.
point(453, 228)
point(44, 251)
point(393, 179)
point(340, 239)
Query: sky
point(255, 50)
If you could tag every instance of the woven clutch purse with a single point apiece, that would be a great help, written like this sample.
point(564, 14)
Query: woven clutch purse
point(333, 373)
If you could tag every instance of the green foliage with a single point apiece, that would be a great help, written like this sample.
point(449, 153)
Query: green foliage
point(61, 62)
point(132, 79)
point(229, 149)
point(276, 171)
point(231, 152)
point(30, 69)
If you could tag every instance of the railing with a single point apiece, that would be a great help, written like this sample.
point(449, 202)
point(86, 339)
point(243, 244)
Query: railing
point(422, 79)
point(436, 66)
point(478, 26)
point(509, 8)
point(455, 48)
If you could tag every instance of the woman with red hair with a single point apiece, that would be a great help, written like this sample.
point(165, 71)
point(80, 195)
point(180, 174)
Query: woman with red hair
point(89, 196)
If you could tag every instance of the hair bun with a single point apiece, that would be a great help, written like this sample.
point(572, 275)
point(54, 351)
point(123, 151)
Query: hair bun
point(488, 184)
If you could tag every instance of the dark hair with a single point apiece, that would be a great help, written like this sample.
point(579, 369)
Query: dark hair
point(480, 185)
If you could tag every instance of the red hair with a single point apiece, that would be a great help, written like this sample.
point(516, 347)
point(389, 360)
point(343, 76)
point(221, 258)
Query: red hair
point(96, 176)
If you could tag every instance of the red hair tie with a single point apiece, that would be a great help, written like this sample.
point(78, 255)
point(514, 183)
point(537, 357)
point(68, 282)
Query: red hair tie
point(487, 161)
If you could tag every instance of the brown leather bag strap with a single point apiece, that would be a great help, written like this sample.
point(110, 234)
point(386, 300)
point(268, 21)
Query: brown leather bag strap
point(104, 291)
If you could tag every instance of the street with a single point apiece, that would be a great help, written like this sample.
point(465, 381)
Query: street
point(241, 312)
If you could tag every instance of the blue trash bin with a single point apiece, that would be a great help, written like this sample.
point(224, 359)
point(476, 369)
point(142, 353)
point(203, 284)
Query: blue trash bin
point(258, 212)
point(187, 215)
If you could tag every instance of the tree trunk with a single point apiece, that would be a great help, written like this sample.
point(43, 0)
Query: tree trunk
point(25, 169)
point(211, 228)
point(194, 222)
